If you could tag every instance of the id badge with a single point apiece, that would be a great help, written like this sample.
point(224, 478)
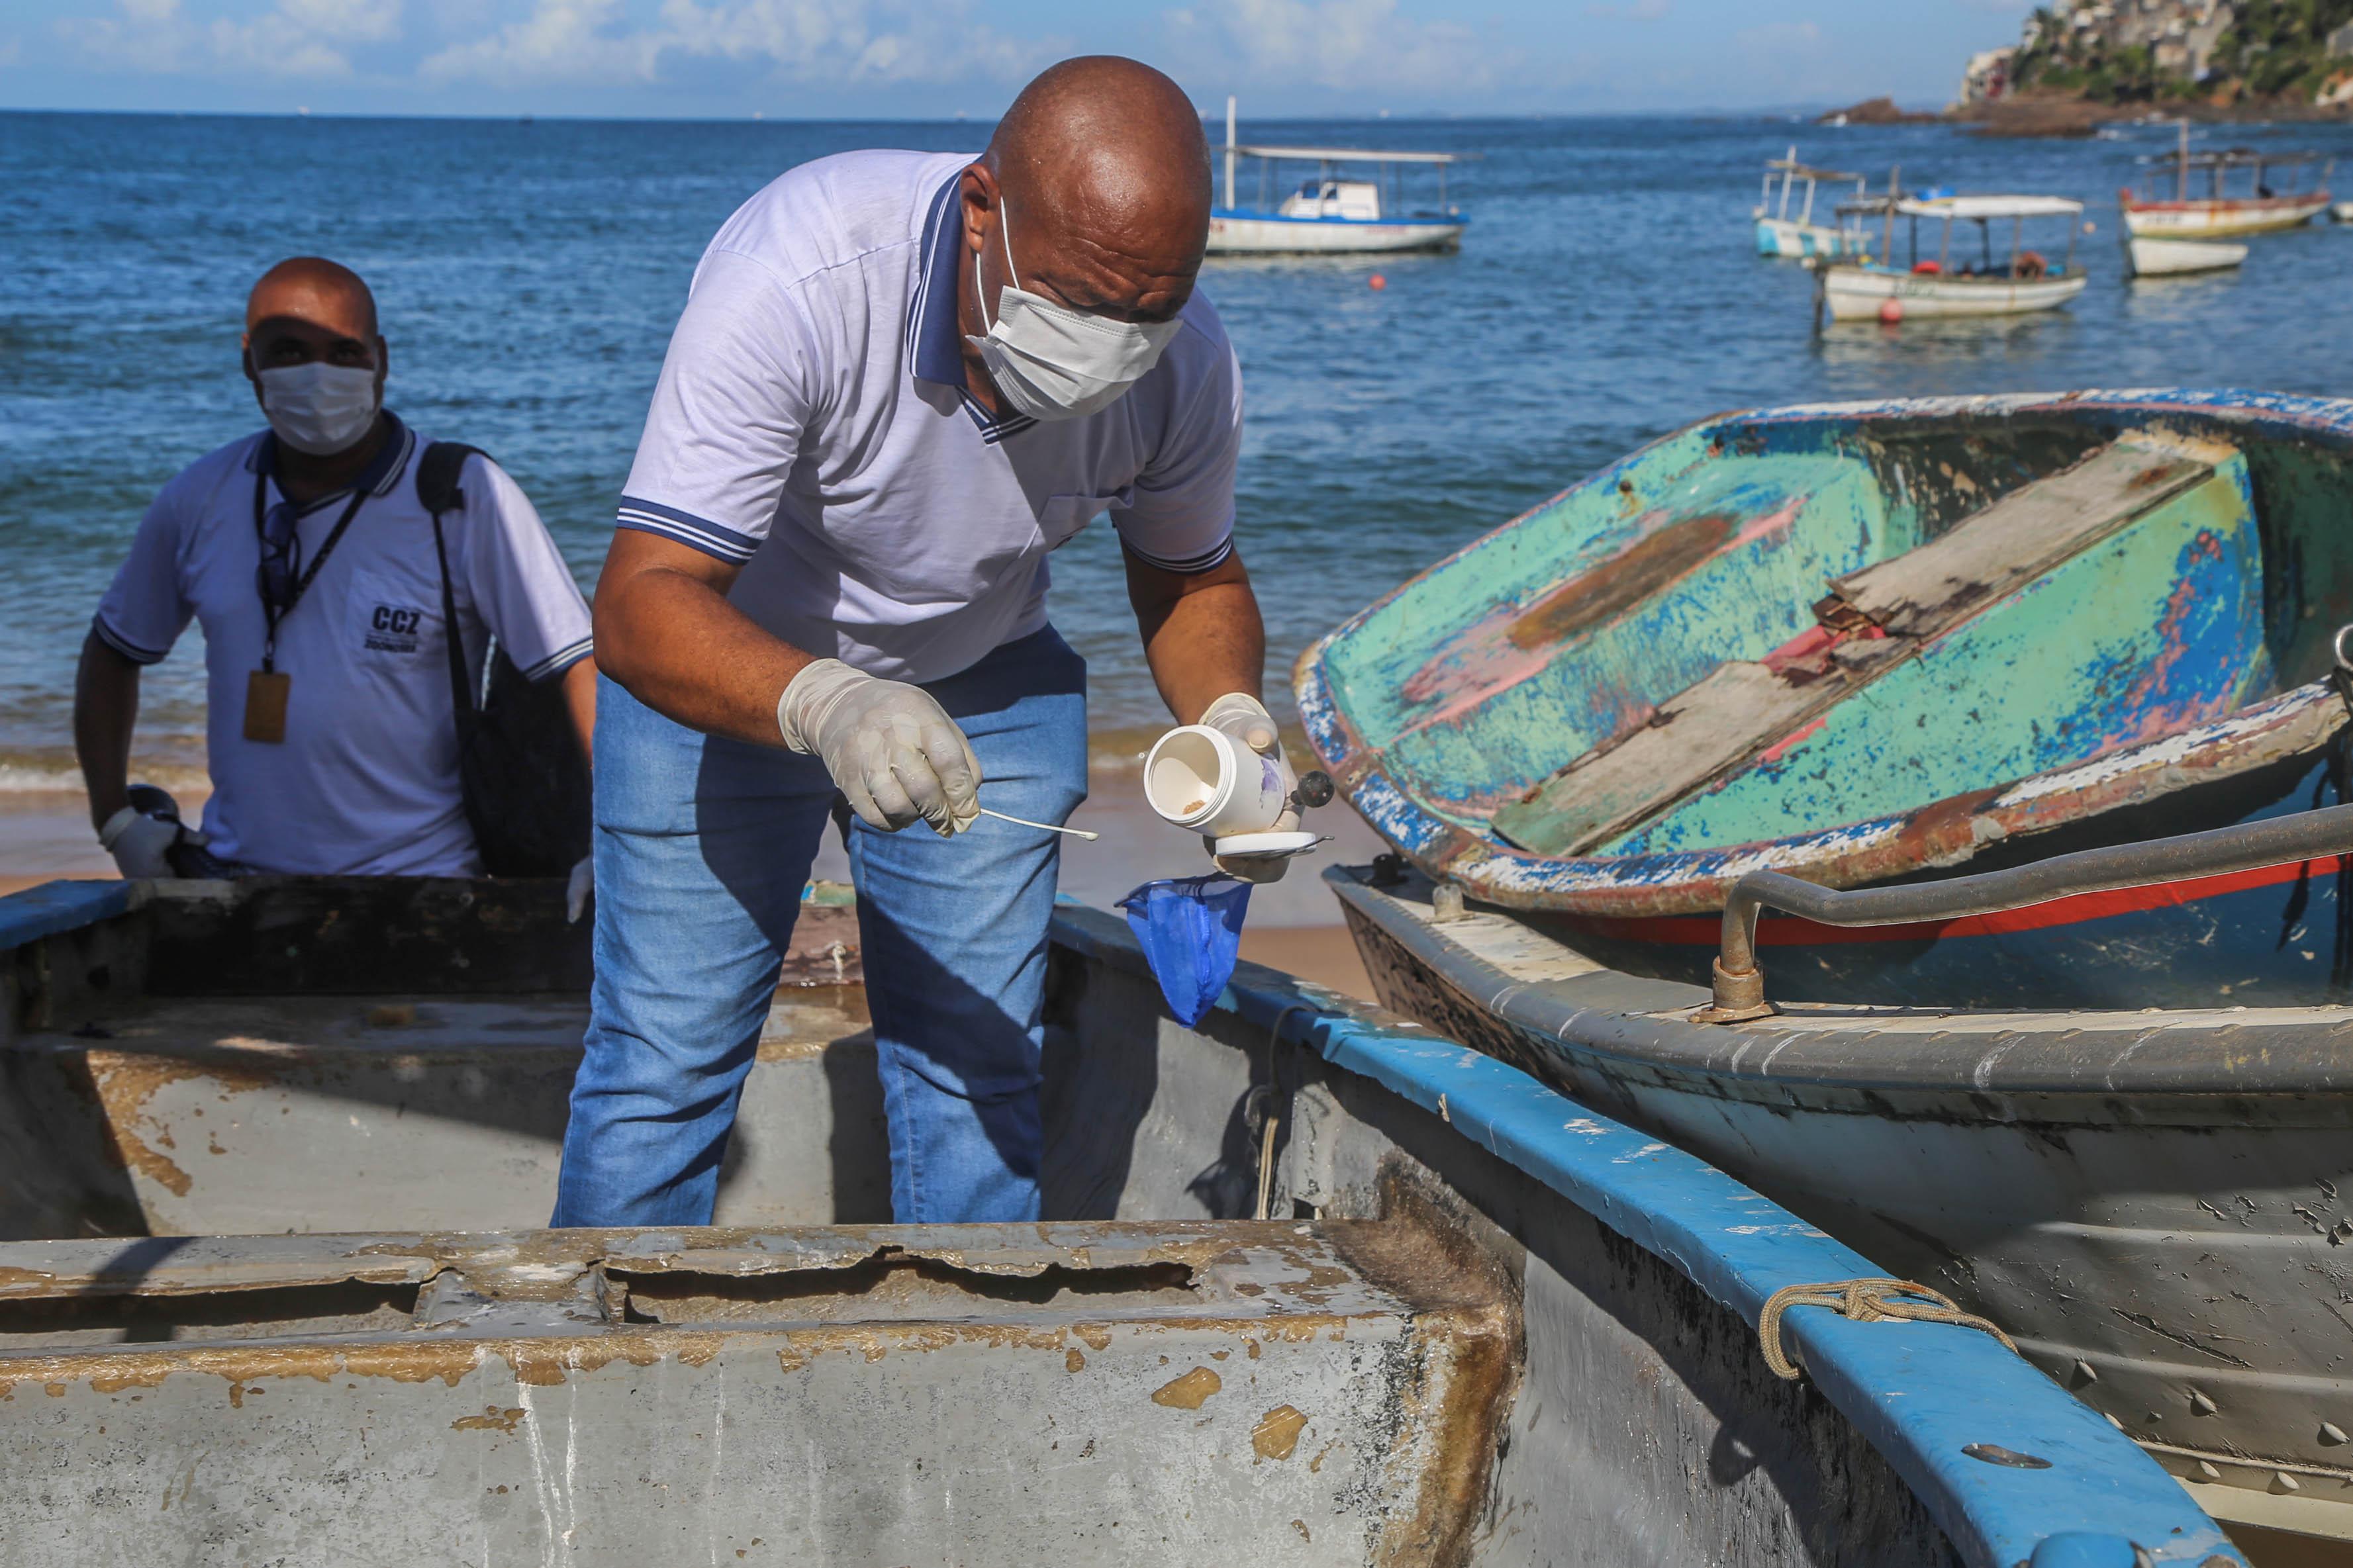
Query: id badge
point(266, 691)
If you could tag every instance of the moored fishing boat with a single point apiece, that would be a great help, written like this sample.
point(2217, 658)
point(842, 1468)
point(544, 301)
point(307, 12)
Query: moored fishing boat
point(1332, 212)
point(1938, 279)
point(1781, 234)
point(2218, 214)
point(1883, 646)
point(1313, 1282)
point(2146, 258)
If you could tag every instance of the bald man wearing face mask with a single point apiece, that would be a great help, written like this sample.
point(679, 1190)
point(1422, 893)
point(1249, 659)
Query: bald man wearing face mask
point(900, 380)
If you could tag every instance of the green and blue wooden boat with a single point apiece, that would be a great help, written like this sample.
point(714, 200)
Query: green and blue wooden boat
point(1866, 643)
point(1924, 651)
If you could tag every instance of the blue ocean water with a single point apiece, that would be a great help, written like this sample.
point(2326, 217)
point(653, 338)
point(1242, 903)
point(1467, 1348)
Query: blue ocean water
point(530, 272)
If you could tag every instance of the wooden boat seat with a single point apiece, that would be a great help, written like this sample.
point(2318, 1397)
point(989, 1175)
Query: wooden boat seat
point(1871, 621)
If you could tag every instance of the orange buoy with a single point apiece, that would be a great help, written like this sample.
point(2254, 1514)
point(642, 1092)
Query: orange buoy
point(1376, 281)
point(1891, 311)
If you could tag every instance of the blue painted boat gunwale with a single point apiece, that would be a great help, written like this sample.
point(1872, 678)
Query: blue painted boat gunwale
point(1687, 880)
point(1918, 1392)
point(54, 908)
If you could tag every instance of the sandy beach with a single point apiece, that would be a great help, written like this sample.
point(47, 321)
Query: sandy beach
point(1294, 924)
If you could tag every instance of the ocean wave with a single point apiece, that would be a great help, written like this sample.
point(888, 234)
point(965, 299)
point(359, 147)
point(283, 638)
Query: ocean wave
point(39, 775)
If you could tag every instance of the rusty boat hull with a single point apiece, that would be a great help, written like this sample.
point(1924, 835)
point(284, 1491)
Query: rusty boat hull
point(1867, 644)
point(1314, 1284)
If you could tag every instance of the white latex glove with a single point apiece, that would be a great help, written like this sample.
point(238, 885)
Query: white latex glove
point(139, 843)
point(892, 750)
point(1245, 718)
point(579, 890)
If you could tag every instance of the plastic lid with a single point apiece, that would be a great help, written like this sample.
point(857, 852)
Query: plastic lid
point(1268, 843)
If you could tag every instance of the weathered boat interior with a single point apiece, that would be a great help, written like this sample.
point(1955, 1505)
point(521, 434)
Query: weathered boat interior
point(1771, 625)
point(1314, 1286)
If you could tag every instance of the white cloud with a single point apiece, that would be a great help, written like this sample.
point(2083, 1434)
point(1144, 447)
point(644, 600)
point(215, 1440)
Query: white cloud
point(805, 40)
point(569, 40)
point(1637, 10)
point(295, 38)
point(1355, 45)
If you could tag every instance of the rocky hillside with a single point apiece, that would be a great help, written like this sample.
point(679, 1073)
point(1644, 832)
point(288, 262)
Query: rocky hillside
point(2162, 53)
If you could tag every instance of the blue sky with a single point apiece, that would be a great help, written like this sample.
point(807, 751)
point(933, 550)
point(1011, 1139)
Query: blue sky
point(933, 59)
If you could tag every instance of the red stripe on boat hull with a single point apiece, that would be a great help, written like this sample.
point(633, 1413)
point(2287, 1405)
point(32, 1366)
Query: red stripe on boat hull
point(1787, 931)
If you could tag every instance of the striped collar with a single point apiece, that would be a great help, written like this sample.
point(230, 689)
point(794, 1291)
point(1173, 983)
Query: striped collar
point(935, 336)
point(378, 478)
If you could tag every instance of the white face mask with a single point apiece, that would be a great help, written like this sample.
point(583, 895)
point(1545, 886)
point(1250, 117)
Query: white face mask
point(1054, 362)
point(319, 408)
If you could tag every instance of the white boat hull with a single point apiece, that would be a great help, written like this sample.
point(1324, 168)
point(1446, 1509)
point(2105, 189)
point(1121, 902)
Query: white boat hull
point(2173, 257)
point(2342, 211)
point(1795, 240)
point(1238, 235)
point(2216, 220)
point(1861, 294)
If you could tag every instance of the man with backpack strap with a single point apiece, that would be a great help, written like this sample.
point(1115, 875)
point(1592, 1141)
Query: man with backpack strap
point(328, 558)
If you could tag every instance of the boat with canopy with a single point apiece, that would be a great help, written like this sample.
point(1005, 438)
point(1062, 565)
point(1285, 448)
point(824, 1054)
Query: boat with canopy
point(1960, 271)
point(2167, 209)
point(1331, 212)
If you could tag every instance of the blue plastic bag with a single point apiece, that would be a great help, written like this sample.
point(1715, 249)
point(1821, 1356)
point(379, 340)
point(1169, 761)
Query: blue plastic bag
point(1191, 929)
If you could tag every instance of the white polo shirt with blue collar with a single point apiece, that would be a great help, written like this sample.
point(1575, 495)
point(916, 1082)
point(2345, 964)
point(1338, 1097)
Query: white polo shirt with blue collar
point(365, 782)
point(813, 425)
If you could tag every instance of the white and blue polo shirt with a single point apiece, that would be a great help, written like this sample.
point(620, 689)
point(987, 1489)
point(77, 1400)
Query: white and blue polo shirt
point(365, 782)
point(812, 424)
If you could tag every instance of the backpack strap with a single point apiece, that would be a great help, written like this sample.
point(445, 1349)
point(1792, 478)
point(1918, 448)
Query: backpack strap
point(436, 475)
point(436, 487)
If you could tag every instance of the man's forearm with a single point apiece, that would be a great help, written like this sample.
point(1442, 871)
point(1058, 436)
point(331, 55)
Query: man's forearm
point(106, 709)
point(1203, 636)
point(676, 645)
point(580, 701)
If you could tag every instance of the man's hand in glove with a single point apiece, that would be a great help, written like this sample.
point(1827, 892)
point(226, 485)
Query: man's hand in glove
point(140, 844)
point(892, 750)
point(1247, 721)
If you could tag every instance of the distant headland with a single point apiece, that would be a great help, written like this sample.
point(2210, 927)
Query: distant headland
point(2082, 63)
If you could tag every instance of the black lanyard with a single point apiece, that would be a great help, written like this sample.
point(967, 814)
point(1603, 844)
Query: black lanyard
point(272, 610)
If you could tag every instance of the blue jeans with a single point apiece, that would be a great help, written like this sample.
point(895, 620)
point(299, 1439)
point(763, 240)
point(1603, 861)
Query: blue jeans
point(703, 847)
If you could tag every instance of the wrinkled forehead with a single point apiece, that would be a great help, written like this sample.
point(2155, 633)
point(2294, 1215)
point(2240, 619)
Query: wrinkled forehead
point(1102, 216)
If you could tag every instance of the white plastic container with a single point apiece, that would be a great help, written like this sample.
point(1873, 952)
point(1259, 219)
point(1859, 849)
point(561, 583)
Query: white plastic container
point(1205, 779)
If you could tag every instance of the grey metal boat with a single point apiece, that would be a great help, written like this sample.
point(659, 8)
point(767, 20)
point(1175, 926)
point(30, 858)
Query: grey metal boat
point(2155, 1202)
point(1317, 1286)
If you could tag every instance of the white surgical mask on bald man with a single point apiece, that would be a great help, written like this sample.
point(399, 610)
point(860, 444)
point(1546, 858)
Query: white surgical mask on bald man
point(319, 408)
point(1054, 362)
